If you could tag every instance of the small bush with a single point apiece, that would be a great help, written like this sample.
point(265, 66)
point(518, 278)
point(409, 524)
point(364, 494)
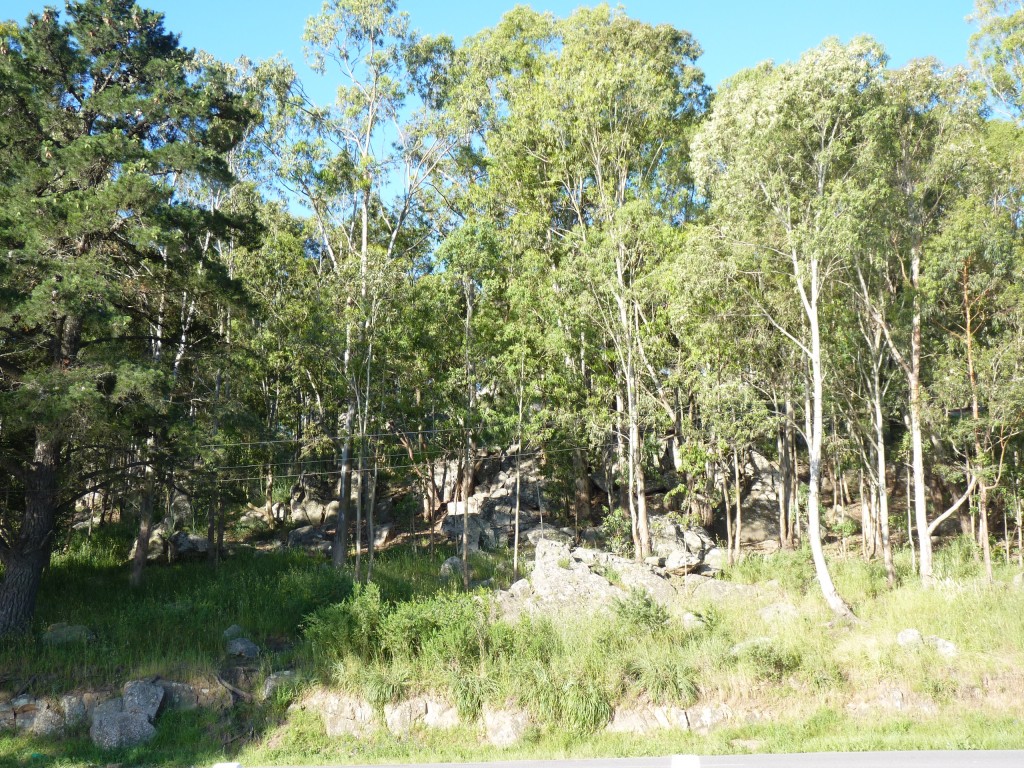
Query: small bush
point(617, 532)
point(767, 660)
point(639, 610)
point(352, 626)
point(572, 701)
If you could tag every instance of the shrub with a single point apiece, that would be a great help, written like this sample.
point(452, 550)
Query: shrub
point(640, 611)
point(617, 532)
point(352, 626)
point(767, 660)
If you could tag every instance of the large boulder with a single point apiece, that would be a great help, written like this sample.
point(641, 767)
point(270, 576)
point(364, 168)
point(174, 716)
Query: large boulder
point(127, 721)
point(305, 537)
point(187, 546)
point(548, 533)
point(244, 648)
point(142, 697)
point(116, 730)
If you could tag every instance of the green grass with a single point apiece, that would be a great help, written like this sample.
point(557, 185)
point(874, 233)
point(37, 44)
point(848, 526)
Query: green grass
point(406, 634)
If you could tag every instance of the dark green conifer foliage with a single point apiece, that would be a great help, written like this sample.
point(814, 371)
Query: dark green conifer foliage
point(102, 114)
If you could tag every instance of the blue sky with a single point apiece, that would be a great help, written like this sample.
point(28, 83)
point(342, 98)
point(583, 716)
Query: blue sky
point(735, 34)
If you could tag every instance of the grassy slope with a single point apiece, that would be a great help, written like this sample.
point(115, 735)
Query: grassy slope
point(411, 636)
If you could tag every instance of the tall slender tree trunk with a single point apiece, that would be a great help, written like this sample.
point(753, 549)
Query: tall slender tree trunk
point(916, 439)
point(739, 503)
point(828, 589)
point(883, 494)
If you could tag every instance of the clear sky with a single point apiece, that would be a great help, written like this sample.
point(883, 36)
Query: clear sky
point(734, 34)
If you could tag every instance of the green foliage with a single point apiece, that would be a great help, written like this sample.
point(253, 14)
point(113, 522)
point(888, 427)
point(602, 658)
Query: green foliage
point(616, 532)
point(640, 611)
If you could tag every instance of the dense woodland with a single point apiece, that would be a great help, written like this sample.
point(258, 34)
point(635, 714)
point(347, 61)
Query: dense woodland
point(550, 239)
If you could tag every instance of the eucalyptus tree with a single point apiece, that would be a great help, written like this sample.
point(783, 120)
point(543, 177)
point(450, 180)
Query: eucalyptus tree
point(778, 155)
point(98, 114)
point(997, 52)
point(359, 167)
point(920, 142)
point(972, 277)
point(581, 130)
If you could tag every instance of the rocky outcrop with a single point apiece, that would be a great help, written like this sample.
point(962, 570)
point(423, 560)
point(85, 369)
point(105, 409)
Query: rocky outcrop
point(565, 578)
point(491, 508)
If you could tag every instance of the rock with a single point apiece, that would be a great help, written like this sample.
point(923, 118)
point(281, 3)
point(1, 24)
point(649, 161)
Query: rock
point(715, 559)
point(243, 647)
point(46, 722)
point(305, 536)
point(504, 727)
point(681, 561)
point(452, 525)
point(703, 719)
point(67, 634)
point(451, 569)
point(277, 680)
point(186, 546)
point(909, 638)
point(401, 718)
point(654, 561)
point(342, 714)
point(382, 534)
point(233, 631)
point(74, 708)
point(179, 696)
point(644, 719)
point(144, 698)
point(7, 718)
point(440, 714)
point(549, 533)
point(521, 589)
point(945, 648)
point(156, 549)
point(116, 730)
point(691, 622)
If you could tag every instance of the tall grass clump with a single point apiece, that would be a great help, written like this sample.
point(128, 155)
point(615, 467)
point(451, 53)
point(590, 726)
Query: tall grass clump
point(793, 570)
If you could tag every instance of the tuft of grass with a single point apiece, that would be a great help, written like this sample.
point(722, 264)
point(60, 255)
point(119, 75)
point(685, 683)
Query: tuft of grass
point(640, 611)
point(663, 677)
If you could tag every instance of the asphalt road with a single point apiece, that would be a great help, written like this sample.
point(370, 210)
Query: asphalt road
point(971, 759)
